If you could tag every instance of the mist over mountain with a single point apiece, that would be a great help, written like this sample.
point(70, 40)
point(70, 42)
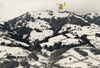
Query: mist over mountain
point(49, 39)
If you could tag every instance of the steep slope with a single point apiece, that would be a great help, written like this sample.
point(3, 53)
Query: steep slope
point(1, 21)
point(46, 38)
point(92, 17)
point(42, 26)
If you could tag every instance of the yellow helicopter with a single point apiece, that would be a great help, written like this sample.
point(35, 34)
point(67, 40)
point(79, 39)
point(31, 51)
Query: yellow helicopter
point(62, 5)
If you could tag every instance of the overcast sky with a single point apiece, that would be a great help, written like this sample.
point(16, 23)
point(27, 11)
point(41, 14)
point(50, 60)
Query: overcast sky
point(13, 8)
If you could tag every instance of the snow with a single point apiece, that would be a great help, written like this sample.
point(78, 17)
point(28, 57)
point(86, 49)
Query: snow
point(74, 65)
point(3, 40)
point(66, 60)
point(0, 33)
point(71, 63)
point(64, 28)
point(24, 36)
point(45, 14)
point(24, 44)
point(47, 52)
point(50, 43)
point(3, 48)
point(35, 63)
point(81, 18)
point(59, 14)
point(36, 35)
point(38, 24)
point(43, 26)
point(78, 30)
point(8, 41)
point(42, 59)
point(74, 53)
point(54, 40)
point(69, 41)
point(75, 62)
point(1, 21)
point(42, 14)
point(90, 54)
point(91, 15)
point(60, 38)
point(80, 64)
point(70, 35)
point(57, 38)
point(15, 51)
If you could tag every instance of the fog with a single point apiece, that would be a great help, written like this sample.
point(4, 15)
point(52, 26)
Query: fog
point(13, 8)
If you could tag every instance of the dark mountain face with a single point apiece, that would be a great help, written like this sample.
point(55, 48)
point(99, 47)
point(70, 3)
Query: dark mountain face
point(58, 22)
point(18, 27)
point(92, 18)
point(21, 20)
point(46, 38)
point(78, 21)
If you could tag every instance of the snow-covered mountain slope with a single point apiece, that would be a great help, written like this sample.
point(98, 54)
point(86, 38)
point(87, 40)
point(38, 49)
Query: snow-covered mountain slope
point(48, 39)
point(92, 18)
point(1, 21)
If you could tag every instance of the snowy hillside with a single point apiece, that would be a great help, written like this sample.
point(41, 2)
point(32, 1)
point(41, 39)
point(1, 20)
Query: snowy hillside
point(49, 39)
point(1, 21)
